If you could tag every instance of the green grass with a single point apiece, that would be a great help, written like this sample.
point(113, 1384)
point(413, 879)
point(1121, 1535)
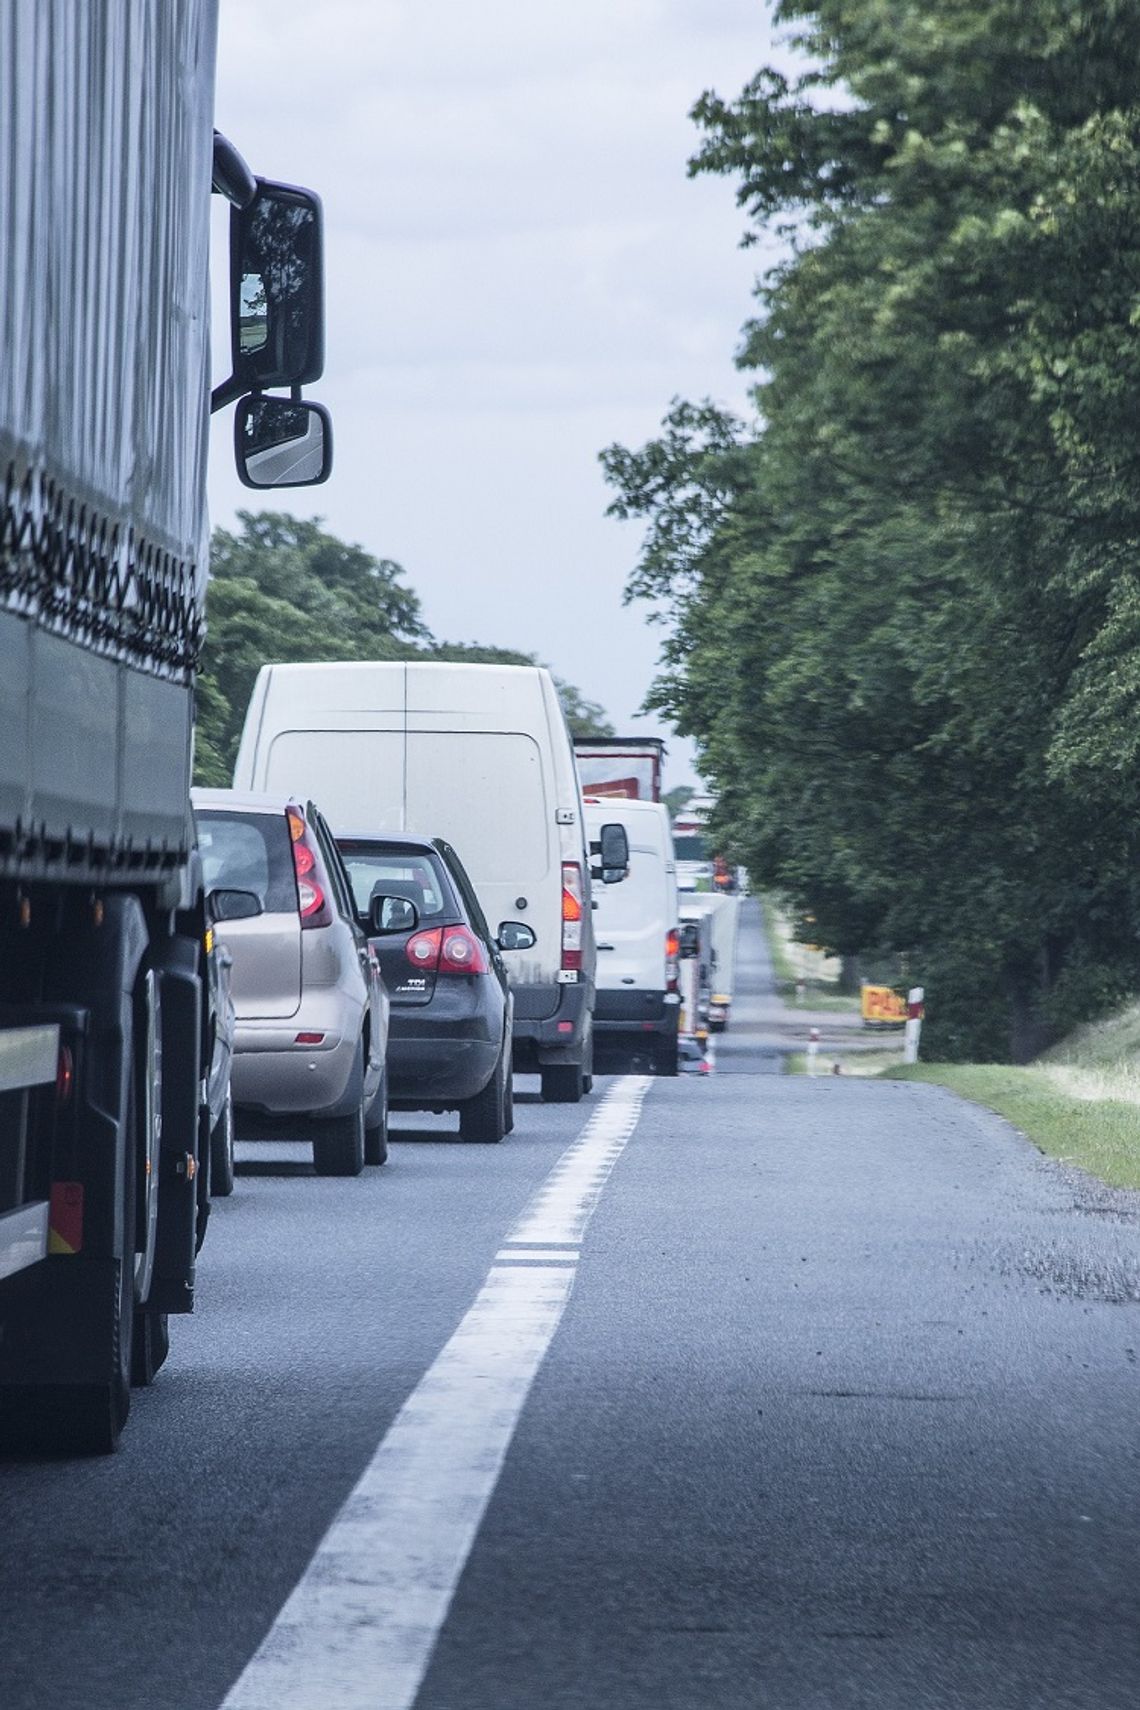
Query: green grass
point(1065, 1113)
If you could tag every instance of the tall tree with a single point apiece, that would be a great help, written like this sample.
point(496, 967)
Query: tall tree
point(895, 596)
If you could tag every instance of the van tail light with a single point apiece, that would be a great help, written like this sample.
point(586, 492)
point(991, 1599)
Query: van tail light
point(572, 902)
point(672, 959)
point(315, 909)
point(446, 950)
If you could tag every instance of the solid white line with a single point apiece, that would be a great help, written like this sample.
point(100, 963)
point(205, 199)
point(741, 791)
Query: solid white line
point(532, 1255)
point(358, 1630)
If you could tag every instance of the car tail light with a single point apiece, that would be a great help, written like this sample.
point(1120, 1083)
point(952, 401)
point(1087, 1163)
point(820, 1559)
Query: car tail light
point(672, 958)
point(447, 950)
point(315, 910)
point(461, 952)
point(422, 949)
point(572, 900)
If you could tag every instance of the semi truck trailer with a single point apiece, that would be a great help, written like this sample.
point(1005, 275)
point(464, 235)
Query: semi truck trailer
point(108, 157)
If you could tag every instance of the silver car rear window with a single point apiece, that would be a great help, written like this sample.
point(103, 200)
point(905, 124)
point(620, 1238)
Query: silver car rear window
point(249, 852)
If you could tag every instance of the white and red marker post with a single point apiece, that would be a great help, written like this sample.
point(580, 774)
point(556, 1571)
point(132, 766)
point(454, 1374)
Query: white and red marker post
point(913, 1032)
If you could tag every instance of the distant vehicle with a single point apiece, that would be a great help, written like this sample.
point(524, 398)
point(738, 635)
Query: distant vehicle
point(628, 767)
point(449, 1033)
point(312, 1012)
point(479, 755)
point(637, 923)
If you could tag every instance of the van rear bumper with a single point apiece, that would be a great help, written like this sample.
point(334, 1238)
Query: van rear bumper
point(559, 1037)
point(634, 1011)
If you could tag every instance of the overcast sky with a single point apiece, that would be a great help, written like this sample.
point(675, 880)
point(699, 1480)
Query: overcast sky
point(518, 271)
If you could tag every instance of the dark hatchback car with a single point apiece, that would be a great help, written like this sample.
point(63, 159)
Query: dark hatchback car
point(449, 1035)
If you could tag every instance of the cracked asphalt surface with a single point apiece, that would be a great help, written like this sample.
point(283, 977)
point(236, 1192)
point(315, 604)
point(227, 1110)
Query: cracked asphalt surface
point(843, 1413)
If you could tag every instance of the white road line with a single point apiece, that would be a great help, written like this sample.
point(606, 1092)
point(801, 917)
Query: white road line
point(532, 1255)
point(358, 1630)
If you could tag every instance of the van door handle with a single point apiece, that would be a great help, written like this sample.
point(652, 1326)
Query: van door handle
point(603, 946)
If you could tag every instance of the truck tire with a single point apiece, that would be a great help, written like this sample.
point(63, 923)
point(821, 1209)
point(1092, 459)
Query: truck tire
point(222, 1152)
point(484, 1117)
point(562, 1083)
point(338, 1144)
point(376, 1127)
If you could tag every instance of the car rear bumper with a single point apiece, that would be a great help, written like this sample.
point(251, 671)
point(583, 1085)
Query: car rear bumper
point(270, 1072)
point(634, 1011)
point(440, 1063)
point(559, 1037)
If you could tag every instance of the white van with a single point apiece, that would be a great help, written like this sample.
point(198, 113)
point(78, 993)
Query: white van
point(636, 922)
point(479, 755)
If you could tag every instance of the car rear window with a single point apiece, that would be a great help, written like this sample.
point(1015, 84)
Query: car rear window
point(249, 852)
point(413, 873)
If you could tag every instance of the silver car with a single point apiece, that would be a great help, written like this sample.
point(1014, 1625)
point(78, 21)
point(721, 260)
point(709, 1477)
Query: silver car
point(311, 1035)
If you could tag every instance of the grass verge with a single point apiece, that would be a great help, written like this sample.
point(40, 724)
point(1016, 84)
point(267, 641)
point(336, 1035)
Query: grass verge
point(1098, 1134)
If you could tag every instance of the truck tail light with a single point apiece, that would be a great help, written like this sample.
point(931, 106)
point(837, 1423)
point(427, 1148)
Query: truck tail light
point(315, 909)
point(573, 897)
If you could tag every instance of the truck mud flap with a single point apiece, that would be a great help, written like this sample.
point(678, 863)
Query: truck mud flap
point(172, 1281)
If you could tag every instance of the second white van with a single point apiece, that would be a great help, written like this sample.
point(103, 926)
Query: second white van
point(479, 755)
point(636, 922)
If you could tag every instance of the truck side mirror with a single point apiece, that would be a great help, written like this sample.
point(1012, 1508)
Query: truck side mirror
point(277, 288)
point(690, 940)
point(278, 443)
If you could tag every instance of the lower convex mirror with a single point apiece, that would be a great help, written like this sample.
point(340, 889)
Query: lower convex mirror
point(279, 443)
point(516, 935)
point(392, 914)
point(233, 905)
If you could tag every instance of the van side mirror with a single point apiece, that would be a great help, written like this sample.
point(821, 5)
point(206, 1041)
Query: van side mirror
point(613, 848)
point(279, 443)
point(392, 914)
point(233, 905)
point(515, 935)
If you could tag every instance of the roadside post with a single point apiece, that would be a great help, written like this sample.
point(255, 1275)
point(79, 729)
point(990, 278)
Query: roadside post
point(914, 1003)
point(812, 1050)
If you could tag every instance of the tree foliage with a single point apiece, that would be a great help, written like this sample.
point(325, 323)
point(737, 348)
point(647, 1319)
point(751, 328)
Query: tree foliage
point(285, 589)
point(904, 603)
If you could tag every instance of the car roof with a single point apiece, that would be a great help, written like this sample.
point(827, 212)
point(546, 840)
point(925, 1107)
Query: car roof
point(239, 801)
point(390, 839)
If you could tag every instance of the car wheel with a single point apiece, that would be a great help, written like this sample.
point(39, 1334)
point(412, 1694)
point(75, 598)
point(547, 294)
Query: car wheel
point(562, 1083)
point(338, 1144)
point(483, 1118)
point(222, 1152)
point(376, 1127)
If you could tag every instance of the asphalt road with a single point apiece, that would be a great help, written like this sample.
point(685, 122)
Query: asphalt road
point(842, 1411)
